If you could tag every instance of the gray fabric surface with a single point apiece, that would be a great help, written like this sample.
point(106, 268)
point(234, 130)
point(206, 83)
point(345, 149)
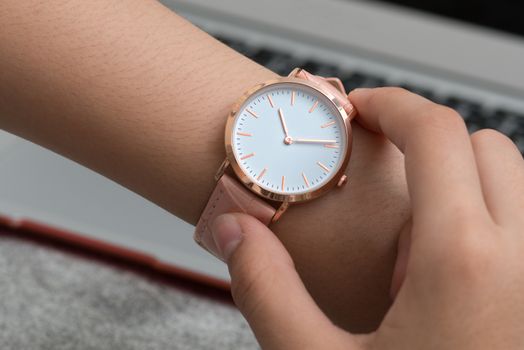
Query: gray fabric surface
point(55, 300)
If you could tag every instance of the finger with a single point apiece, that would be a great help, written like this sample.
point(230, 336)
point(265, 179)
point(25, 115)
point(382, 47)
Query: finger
point(440, 165)
point(501, 170)
point(268, 291)
point(401, 262)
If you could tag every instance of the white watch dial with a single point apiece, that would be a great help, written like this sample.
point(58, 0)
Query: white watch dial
point(289, 138)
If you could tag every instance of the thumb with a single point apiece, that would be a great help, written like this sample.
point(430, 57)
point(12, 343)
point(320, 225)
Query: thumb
point(268, 291)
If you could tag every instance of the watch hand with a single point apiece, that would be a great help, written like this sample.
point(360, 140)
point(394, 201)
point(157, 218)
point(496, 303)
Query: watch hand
point(283, 121)
point(287, 139)
point(313, 141)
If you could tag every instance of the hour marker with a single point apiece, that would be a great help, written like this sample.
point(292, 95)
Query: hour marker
point(252, 113)
point(313, 107)
point(305, 179)
point(327, 124)
point(262, 173)
point(292, 98)
point(283, 181)
point(331, 146)
point(244, 133)
point(270, 101)
point(247, 156)
point(323, 166)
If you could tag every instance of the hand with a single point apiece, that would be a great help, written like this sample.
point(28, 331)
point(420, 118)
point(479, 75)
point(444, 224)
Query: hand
point(314, 141)
point(458, 282)
point(152, 140)
point(287, 139)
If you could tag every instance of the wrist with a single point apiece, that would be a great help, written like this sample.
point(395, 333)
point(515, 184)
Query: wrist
point(225, 81)
point(357, 226)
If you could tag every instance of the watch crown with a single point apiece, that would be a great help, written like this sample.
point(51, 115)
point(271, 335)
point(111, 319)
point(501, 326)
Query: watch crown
point(342, 181)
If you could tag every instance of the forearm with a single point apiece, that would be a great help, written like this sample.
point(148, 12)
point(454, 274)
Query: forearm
point(126, 88)
point(136, 93)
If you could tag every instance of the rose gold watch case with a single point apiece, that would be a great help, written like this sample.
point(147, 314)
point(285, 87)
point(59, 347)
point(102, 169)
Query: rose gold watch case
point(278, 196)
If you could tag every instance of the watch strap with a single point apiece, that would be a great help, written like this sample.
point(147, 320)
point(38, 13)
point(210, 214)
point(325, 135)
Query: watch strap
point(230, 196)
point(332, 85)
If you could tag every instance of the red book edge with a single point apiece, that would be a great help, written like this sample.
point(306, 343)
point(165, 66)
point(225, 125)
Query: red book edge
point(125, 255)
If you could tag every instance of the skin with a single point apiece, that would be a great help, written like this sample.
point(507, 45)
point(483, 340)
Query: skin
point(459, 287)
point(138, 94)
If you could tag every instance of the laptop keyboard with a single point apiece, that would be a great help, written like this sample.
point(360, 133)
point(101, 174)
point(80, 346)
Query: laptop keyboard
point(474, 113)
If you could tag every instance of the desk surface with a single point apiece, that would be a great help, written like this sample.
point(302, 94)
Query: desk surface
point(53, 299)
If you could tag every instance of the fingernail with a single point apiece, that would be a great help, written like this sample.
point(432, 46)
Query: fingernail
point(227, 234)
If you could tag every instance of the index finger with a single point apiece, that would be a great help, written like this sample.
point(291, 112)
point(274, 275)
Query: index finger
point(440, 165)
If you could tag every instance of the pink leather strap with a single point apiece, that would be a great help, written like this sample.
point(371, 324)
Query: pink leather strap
point(230, 196)
point(333, 86)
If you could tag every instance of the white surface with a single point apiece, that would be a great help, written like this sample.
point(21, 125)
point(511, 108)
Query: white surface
point(267, 140)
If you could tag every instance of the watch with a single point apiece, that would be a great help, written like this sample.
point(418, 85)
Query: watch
point(287, 140)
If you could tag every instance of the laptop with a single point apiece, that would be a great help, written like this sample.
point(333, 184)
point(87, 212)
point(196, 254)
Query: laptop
point(473, 62)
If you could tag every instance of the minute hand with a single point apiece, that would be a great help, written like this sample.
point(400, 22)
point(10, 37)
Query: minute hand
point(314, 141)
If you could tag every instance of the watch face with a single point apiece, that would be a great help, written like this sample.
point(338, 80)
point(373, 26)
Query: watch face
point(289, 140)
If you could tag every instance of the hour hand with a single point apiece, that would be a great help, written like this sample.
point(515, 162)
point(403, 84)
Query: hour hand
point(287, 139)
point(283, 122)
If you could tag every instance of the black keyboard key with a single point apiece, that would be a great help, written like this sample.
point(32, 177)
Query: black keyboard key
point(475, 124)
point(374, 81)
point(492, 120)
point(466, 108)
point(263, 56)
point(354, 81)
point(427, 93)
point(509, 126)
point(223, 39)
point(244, 49)
point(510, 123)
point(239, 46)
point(519, 141)
point(360, 79)
point(279, 62)
point(520, 130)
point(283, 65)
point(325, 70)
